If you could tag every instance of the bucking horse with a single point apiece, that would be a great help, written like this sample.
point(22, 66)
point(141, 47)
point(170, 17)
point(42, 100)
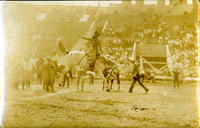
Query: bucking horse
point(79, 61)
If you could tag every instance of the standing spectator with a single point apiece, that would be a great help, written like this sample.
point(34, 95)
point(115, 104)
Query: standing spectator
point(39, 70)
point(176, 78)
point(49, 75)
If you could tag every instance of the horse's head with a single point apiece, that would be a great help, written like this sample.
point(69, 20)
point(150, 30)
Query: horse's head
point(72, 59)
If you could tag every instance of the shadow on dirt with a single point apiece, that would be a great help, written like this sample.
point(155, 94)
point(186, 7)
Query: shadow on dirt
point(103, 101)
point(117, 91)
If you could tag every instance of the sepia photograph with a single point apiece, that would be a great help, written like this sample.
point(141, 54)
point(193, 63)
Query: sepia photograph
point(100, 64)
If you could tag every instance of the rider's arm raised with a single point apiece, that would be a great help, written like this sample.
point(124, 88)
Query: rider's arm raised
point(100, 47)
point(85, 38)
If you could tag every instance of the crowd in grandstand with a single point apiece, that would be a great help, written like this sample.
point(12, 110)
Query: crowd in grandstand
point(179, 37)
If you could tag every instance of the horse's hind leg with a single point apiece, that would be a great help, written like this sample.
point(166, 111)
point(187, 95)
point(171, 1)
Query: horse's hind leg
point(23, 84)
point(91, 77)
point(44, 85)
point(118, 82)
point(111, 83)
point(70, 75)
point(64, 80)
point(103, 85)
point(67, 81)
point(107, 86)
point(47, 85)
point(28, 84)
point(82, 83)
point(52, 85)
point(78, 80)
point(67, 78)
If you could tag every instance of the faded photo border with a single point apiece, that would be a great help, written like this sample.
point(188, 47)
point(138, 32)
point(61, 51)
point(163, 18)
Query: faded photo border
point(74, 3)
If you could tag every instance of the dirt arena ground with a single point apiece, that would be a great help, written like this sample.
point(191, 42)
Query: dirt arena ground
point(162, 107)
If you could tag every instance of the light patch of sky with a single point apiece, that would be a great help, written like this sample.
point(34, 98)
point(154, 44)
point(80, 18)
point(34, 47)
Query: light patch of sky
point(73, 3)
point(133, 2)
point(189, 2)
point(167, 2)
point(150, 2)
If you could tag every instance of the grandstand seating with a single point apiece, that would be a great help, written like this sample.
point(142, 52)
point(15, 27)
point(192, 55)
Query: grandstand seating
point(58, 21)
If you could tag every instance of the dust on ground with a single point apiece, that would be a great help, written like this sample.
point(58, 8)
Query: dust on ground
point(162, 107)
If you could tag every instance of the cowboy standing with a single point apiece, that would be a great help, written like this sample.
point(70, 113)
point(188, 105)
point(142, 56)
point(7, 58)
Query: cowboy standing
point(136, 78)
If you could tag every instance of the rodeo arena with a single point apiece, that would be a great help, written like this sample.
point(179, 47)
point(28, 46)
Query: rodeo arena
point(101, 64)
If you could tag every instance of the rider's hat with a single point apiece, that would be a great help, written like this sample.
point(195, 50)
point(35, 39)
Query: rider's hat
point(96, 34)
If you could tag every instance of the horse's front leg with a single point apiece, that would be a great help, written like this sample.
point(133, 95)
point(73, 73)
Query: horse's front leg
point(23, 84)
point(106, 84)
point(118, 82)
point(83, 82)
point(64, 80)
point(111, 83)
point(28, 84)
point(78, 80)
point(91, 77)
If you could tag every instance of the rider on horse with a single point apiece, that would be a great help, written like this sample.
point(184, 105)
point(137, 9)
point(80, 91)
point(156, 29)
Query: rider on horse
point(96, 47)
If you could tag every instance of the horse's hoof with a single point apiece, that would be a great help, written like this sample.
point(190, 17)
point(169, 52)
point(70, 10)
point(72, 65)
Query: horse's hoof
point(107, 90)
point(147, 90)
